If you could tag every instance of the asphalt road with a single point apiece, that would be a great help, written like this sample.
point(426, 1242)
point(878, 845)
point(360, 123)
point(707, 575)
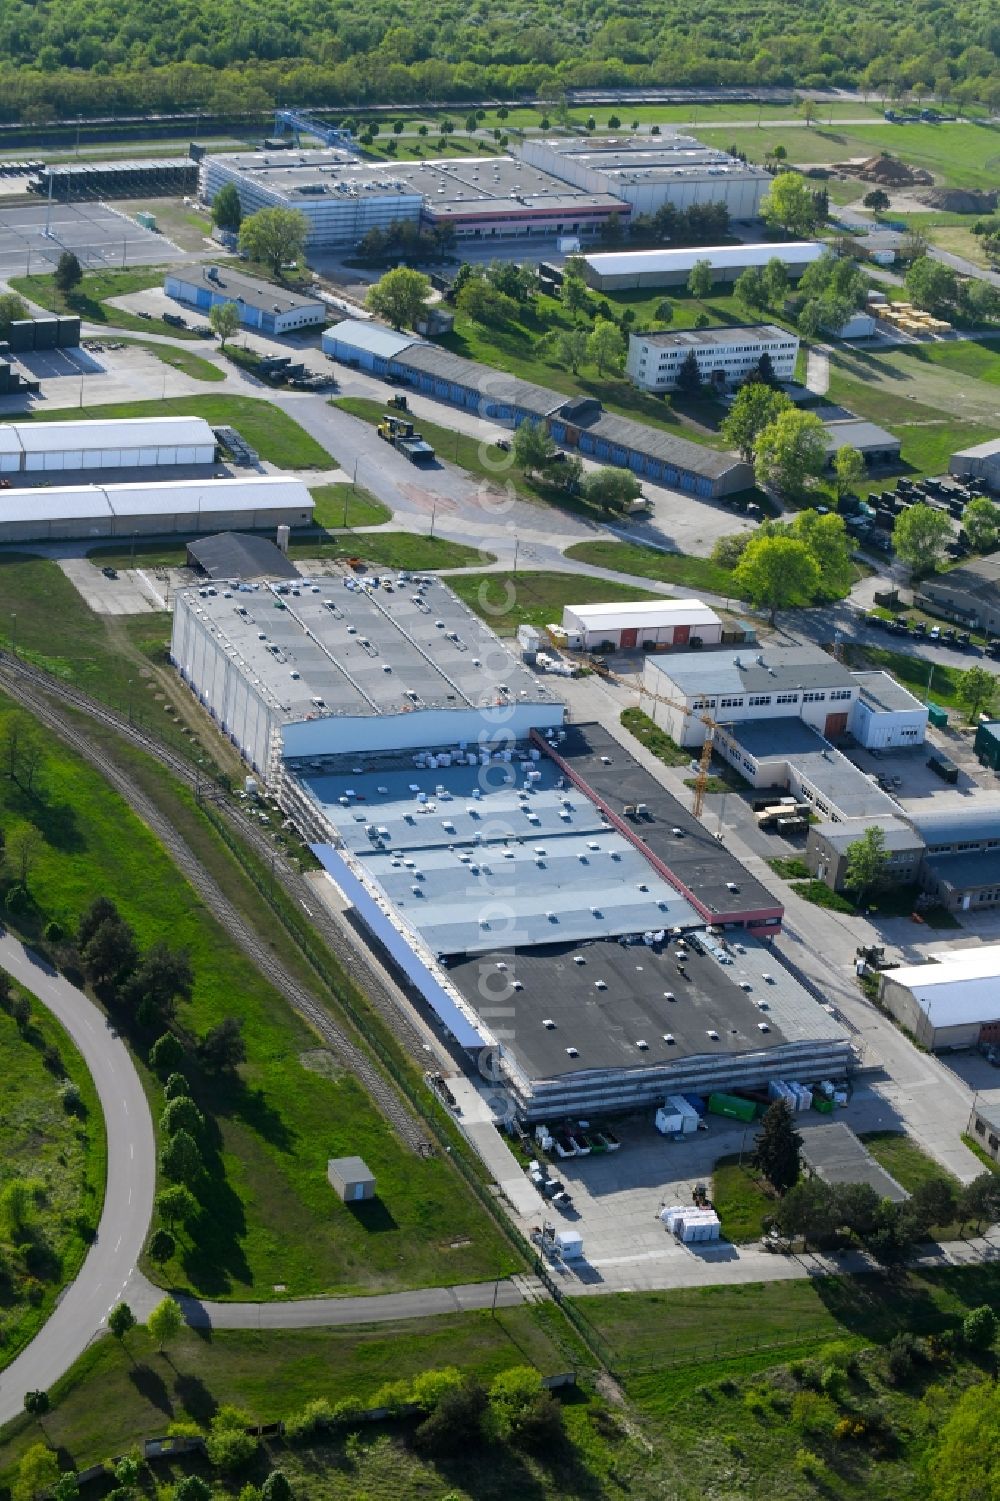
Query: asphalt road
point(128, 1202)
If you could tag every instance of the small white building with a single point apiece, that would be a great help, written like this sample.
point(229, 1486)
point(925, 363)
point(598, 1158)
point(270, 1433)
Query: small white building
point(262, 305)
point(653, 623)
point(885, 714)
point(725, 356)
point(857, 326)
point(105, 443)
point(951, 1002)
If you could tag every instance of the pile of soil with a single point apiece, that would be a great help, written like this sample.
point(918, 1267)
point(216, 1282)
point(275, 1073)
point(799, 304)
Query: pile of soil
point(890, 172)
point(960, 200)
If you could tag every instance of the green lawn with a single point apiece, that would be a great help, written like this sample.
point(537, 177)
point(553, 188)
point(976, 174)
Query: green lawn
point(275, 436)
point(819, 893)
point(979, 358)
point(268, 1216)
point(61, 1153)
point(183, 360)
point(507, 600)
point(908, 1163)
point(740, 1201)
point(789, 869)
point(392, 550)
point(914, 673)
point(347, 505)
point(111, 1397)
point(649, 562)
point(655, 739)
point(90, 298)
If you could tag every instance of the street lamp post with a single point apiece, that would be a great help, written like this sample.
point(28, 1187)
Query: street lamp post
point(13, 634)
point(434, 506)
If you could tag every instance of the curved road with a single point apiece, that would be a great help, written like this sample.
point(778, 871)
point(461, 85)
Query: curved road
point(131, 1180)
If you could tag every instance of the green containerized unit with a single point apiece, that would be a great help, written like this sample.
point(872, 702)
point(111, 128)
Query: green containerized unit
point(731, 1106)
point(937, 716)
point(987, 744)
point(825, 1107)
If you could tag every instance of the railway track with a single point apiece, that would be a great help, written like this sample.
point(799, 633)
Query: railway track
point(36, 690)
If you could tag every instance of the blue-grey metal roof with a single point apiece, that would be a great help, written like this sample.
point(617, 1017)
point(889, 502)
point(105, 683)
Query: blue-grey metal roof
point(657, 443)
point(967, 872)
point(753, 669)
point(369, 338)
point(833, 778)
point(979, 821)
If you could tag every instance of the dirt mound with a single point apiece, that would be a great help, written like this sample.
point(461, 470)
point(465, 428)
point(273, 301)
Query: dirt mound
point(959, 200)
point(890, 172)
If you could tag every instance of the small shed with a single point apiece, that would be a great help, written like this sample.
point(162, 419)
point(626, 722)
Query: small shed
point(352, 1179)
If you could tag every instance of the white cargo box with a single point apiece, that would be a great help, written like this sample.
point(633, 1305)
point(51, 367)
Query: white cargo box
point(669, 1122)
point(570, 1243)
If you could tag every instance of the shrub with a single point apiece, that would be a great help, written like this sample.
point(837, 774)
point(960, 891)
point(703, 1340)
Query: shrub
point(727, 1386)
point(756, 1403)
point(833, 1382)
point(810, 1413)
point(315, 1417)
point(979, 1328)
point(72, 1100)
point(456, 1423)
point(810, 1465)
point(840, 1354)
point(394, 1396)
point(229, 1446)
point(430, 1386)
point(277, 1487)
point(53, 931)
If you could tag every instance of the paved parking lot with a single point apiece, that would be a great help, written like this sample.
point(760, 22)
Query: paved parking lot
point(99, 235)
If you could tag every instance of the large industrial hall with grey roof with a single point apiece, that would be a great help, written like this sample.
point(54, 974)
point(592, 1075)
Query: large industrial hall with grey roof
point(537, 891)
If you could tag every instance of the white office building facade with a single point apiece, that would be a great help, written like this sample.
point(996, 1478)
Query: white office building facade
point(725, 356)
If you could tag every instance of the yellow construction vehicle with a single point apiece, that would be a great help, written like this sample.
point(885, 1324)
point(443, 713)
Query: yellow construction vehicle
point(399, 432)
point(600, 666)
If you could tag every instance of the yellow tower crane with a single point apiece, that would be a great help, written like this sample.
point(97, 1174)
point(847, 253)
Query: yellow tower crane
point(711, 725)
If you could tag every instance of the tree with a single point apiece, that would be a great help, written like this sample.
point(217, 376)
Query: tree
point(68, 273)
point(36, 1403)
point(224, 319)
point(808, 1208)
point(176, 1205)
point(102, 909)
point(400, 296)
point(22, 751)
point(664, 311)
point(777, 1147)
point(37, 1473)
point(275, 237)
point(229, 1446)
point(849, 470)
point(575, 293)
point(699, 282)
point(12, 308)
point(277, 1487)
point(776, 573)
point(227, 211)
point(532, 449)
point(176, 1087)
point(23, 845)
point(522, 1411)
point(121, 1320)
point(484, 304)
point(857, 1207)
point(980, 1199)
point(921, 536)
point(223, 1047)
point(611, 489)
point(913, 246)
point(688, 375)
point(867, 863)
point(754, 407)
point(931, 1204)
point(164, 1323)
point(976, 690)
point(517, 282)
point(981, 521)
point(979, 1327)
point(162, 977)
point(128, 1472)
point(192, 1488)
point(456, 1424)
point(606, 346)
point(182, 1114)
point(166, 1054)
point(931, 285)
point(964, 1459)
point(877, 200)
point(775, 277)
point(568, 346)
point(789, 205)
point(111, 954)
point(790, 453)
point(180, 1159)
point(827, 540)
point(750, 290)
point(161, 1245)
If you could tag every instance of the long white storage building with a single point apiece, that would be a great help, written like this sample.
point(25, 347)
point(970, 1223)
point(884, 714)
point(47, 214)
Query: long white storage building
point(105, 443)
point(658, 622)
point(618, 270)
point(81, 512)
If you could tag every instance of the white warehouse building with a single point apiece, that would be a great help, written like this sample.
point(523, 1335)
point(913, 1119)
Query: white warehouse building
point(82, 512)
point(336, 666)
point(105, 443)
point(725, 356)
point(621, 627)
point(622, 270)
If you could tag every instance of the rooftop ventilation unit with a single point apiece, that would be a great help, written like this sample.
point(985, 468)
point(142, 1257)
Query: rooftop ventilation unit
point(548, 1023)
point(713, 1034)
point(669, 1039)
point(573, 1052)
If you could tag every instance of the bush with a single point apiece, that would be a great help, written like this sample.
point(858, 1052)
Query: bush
point(810, 1413)
point(833, 1382)
point(316, 1417)
point(176, 1087)
point(456, 1423)
point(53, 931)
point(229, 1446)
point(979, 1328)
point(840, 1354)
point(394, 1396)
point(72, 1100)
point(430, 1386)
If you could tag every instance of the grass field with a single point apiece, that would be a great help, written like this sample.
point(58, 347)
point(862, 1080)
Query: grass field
point(507, 600)
point(63, 1154)
point(530, 117)
point(740, 1201)
point(958, 155)
point(393, 550)
point(183, 360)
point(268, 1216)
point(90, 298)
point(347, 505)
point(648, 562)
point(908, 1163)
point(913, 672)
point(275, 436)
point(655, 739)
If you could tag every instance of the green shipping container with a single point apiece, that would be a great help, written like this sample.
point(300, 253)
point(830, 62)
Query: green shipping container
point(825, 1107)
point(937, 716)
point(732, 1106)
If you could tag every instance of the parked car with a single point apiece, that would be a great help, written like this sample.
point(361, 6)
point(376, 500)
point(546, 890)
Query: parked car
point(110, 573)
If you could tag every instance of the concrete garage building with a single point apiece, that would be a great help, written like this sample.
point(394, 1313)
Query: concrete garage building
point(725, 356)
point(951, 1002)
point(336, 667)
point(105, 443)
point(83, 512)
point(651, 623)
point(647, 172)
point(969, 594)
point(262, 305)
point(962, 865)
point(353, 1180)
point(984, 1123)
point(878, 447)
point(980, 462)
point(576, 423)
point(632, 270)
point(827, 845)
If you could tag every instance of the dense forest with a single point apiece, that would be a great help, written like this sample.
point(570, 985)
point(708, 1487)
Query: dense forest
point(60, 57)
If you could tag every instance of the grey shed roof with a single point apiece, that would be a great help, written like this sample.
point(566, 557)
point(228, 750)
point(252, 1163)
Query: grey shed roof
point(884, 694)
point(858, 434)
point(247, 289)
point(351, 1169)
point(979, 821)
point(236, 555)
point(836, 1155)
point(967, 872)
point(655, 443)
point(751, 670)
point(496, 384)
point(369, 338)
point(898, 834)
point(835, 780)
point(985, 450)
